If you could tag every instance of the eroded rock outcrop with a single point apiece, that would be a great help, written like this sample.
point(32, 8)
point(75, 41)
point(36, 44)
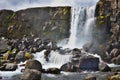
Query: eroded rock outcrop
point(45, 22)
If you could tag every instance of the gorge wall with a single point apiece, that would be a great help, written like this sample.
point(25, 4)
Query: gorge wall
point(44, 22)
point(108, 23)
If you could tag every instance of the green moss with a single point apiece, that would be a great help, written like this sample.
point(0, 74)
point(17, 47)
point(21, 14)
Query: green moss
point(101, 17)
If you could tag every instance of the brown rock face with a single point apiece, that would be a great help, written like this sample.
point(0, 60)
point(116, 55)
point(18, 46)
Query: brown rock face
point(108, 20)
point(45, 22)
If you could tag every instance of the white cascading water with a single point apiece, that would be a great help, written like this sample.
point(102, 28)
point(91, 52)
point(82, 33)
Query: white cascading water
point(55, 59)
point(82, 24)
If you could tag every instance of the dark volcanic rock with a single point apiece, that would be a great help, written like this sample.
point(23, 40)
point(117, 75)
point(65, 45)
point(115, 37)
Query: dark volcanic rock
point(45, 22)
point(89, 62)
point(31, 74)
point(33, 64)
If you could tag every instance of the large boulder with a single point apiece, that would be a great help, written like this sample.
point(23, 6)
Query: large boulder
point(104, 67)
point(68, 67)
point(33, 64)
point(31, 74)
point(89, 62)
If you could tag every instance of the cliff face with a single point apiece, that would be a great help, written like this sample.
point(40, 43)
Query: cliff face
point(108, 22)
point(44, 22)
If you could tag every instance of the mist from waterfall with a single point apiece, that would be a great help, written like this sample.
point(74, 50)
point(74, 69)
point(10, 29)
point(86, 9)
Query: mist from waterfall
point(82, 25)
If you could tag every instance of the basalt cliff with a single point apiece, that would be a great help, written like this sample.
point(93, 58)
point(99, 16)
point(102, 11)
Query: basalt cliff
point(44, 22)
point(108, 23)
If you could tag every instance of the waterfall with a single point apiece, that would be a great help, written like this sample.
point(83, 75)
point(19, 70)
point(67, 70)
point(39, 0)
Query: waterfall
point(82, 25)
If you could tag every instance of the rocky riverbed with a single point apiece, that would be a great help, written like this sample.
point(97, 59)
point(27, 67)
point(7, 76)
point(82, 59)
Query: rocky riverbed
point(15, 51)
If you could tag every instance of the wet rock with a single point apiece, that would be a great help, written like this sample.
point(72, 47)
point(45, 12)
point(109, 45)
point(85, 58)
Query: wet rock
point(52, 70)
point(33, 64)
point(68, 67)
point(31, 74)
point(8, 67)
point(104, 67)
point(89, 62)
